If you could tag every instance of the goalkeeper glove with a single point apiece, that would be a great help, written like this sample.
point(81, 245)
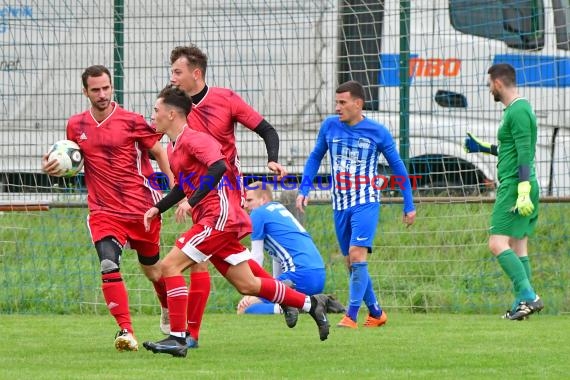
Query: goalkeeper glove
point(524, 205)
point(473, 145)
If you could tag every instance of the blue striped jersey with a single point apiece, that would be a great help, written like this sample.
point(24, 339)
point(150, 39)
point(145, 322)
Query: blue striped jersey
point(284, 238)
point(353, 153)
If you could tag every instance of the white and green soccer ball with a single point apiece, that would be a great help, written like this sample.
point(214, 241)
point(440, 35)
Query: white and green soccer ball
point(69, 157)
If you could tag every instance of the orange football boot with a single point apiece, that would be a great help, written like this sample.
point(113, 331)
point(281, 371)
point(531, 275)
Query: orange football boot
point(376, 322)
point(347, 322)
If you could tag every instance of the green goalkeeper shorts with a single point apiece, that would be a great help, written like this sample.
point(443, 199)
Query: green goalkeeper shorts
point(506, 222)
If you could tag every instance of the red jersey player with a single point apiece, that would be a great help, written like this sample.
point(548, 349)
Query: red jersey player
point(216, 111)
point(204, 176)
point(116, 145)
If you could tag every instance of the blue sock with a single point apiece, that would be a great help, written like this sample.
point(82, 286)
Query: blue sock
point(261, 308)
point(356, 288)
point(371, 301)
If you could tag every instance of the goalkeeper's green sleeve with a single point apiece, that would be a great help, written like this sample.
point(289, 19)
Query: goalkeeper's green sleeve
point(473, 145)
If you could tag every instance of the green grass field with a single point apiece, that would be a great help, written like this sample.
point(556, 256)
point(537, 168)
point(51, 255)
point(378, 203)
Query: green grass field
point(410, 346)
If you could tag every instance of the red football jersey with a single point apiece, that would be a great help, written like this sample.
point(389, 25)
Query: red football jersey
point(189, 159)
point(217, 113)
point(117, 164)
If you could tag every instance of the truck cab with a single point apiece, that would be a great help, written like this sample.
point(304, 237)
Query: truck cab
point(452, 43)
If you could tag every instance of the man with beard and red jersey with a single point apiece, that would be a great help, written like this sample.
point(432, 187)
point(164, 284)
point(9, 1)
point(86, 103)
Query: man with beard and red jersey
point(115, 144)
point(206, 188)
point(216, 111)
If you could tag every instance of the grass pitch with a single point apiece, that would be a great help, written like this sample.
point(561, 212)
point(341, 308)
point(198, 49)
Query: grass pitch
point(410, 346)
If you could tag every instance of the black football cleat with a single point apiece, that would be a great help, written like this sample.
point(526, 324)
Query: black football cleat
point(319, 314)
point(291, 315)
point(334, 306)
point(526, 308)
point(170, 345)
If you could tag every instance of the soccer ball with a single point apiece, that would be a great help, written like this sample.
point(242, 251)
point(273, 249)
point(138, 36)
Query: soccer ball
point(68, 156)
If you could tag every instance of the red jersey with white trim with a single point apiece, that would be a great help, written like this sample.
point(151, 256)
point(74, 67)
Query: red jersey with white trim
point(220, 209)
point(217, 113)
point(117, 163)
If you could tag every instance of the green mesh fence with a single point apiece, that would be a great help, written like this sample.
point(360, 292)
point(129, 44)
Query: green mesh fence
point(440, 264)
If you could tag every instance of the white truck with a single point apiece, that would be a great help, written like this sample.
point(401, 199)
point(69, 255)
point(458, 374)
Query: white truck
point(452, 44)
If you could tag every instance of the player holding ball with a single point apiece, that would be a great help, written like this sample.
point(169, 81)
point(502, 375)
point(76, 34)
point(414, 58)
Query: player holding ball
point(115, 144)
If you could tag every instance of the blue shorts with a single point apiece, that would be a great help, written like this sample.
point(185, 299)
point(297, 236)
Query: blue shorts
point(308, 281)
point(356, 226)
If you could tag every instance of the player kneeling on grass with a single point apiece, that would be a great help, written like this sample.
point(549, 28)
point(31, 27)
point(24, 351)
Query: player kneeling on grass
point(214, 202)
point(296, 259)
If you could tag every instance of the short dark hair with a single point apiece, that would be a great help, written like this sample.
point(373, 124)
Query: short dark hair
point(95, 71)
point(504, 72)
point(193, 55)
point(175, 97)
point(353, 87)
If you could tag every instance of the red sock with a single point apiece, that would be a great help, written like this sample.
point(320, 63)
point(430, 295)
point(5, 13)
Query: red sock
point(160, 289)
point(258, 270)
point(276, 292)
point(197, 300)
point(177, 298)
point(117, 299)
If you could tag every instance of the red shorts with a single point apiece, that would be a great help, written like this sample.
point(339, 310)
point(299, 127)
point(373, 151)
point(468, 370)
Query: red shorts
point(201, 243)
point(126, 230)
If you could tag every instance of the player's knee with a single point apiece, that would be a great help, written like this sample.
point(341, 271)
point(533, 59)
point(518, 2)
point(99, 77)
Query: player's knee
point(151, 267)
point(109, 252)
point(496, 246)
point(108, 266)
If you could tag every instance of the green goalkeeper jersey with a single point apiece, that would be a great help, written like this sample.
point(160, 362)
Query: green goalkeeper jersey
point(517, 141)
